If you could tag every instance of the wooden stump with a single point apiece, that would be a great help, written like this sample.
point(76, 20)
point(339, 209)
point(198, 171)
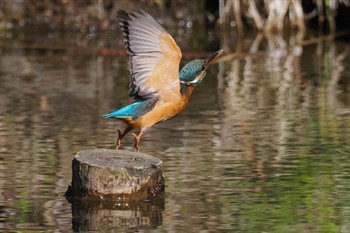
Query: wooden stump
point(105, 173)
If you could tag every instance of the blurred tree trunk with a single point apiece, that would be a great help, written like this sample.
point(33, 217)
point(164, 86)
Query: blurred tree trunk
point(278, 15)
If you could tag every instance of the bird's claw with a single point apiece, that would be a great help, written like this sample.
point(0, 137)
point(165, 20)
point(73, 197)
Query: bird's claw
point(137, 141)
point(118, 142)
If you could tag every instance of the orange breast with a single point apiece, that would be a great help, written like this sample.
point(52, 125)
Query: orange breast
point(161, 112)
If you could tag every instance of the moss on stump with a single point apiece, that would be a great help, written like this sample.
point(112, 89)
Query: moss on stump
point(105, 173)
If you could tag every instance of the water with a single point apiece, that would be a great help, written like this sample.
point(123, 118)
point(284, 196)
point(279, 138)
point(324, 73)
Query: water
point(263, 145)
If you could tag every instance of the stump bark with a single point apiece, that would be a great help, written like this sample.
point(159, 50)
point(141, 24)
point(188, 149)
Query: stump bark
point(105, 173)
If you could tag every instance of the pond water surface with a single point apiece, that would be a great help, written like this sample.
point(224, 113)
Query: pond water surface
point(263, 146)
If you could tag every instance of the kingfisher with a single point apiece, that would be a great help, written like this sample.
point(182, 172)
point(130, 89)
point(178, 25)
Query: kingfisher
point(159, 90)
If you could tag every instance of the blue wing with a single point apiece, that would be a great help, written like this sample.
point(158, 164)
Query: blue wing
point(134, 110)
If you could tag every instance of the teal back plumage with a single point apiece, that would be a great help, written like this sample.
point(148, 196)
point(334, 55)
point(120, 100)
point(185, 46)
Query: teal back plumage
point(134, 110)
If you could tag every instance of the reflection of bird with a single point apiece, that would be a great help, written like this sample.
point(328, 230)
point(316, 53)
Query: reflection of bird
point(159, 90)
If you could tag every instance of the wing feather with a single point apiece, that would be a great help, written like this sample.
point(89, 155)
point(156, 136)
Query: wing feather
point(154, 55)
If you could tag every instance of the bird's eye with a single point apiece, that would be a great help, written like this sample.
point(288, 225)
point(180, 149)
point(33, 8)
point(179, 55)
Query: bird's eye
point(203, 67)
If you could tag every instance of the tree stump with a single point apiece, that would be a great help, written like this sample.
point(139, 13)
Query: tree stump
point(105, 173)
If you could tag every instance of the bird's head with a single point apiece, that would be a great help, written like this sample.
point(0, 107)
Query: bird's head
point(194, 71)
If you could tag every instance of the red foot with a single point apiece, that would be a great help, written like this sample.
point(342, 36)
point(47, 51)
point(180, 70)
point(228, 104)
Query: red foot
point(120, 137)
point(137, 140)
point(119, 140)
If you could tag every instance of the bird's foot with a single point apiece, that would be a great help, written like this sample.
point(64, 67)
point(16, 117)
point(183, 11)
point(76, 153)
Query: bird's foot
point(137, 141)
point(120, 137)
point(119, 140)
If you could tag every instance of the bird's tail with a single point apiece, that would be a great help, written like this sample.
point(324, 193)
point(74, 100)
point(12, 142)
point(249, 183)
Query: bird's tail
point(108, 115)
point(127, 111)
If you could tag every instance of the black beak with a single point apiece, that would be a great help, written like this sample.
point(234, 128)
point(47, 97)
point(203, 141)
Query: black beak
point(212, 58)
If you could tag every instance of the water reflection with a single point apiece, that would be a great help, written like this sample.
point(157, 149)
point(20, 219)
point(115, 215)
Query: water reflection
point(285, 129)
point(262, 146)
point(114, 215)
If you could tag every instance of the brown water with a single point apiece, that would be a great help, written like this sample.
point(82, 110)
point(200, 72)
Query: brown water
point(263, 146)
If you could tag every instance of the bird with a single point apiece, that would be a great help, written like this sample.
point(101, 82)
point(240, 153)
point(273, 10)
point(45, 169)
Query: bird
point(159, 89)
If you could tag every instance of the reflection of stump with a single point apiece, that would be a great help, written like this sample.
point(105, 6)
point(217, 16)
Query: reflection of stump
point(105, 215)
point(115, 173)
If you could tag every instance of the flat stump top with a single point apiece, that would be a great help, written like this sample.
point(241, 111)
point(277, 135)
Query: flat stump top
point(117, 159)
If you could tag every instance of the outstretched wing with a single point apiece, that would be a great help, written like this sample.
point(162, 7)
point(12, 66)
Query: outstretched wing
point(154, 55)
